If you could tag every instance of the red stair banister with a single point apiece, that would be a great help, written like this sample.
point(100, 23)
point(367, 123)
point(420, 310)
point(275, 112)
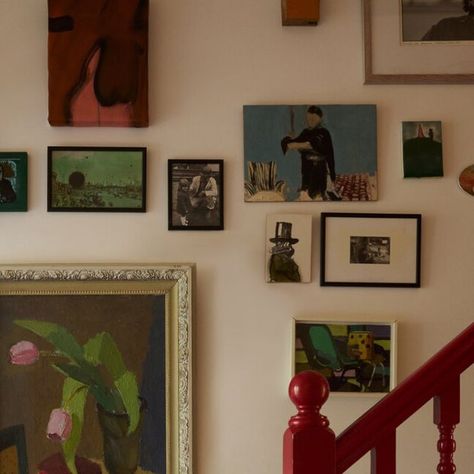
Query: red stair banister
point(375, 431)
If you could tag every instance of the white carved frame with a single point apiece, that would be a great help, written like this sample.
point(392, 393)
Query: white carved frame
point(175, 281)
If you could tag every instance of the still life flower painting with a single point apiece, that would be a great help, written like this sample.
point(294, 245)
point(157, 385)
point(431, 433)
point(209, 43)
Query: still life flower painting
point(86, 379)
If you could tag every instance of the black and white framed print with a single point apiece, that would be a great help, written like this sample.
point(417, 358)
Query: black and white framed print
point(195, 194)
point(370, 249)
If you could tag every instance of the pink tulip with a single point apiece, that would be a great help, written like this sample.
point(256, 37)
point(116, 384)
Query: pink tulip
point(24, 353)
point(59, 425)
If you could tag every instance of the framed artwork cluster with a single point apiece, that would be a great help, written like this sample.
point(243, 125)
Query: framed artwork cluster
point(93, 316)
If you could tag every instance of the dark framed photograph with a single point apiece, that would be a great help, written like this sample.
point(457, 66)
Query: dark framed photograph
point(195, 194)
point(13, 181)
point(96, 179)
point(370, 249)
point(418, 41)
point(13, 457)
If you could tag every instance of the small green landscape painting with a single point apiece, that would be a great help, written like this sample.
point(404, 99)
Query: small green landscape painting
point(422, 149)
point(96, 179)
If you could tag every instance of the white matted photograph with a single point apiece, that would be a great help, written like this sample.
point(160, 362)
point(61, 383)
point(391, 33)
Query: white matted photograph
point(437, 20)
point(370, 250)
point(288, 248)
point(418, 41)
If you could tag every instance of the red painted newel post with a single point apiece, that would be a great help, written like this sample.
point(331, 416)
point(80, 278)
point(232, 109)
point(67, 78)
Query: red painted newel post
point(309, 445)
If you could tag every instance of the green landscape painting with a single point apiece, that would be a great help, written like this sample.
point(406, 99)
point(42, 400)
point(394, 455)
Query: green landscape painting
point(96, 179)
point(422, 149)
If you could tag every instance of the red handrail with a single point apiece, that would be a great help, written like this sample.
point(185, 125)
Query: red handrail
point(427, 382)
point(375, 431)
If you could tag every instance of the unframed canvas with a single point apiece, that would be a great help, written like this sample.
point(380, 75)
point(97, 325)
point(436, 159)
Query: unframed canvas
point(310, 153)
point(355, 357)
point(98, 63)
point(288, 248)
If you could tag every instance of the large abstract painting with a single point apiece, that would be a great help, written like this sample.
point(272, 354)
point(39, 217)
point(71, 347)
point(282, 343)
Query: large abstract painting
point(98, 63)
point(96, 376)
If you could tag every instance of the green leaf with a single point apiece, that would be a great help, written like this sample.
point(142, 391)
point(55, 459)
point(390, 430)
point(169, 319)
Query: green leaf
point(57, 335)
point(128, 389)
point(102, 349)
point(81, 375)
point(74, 400)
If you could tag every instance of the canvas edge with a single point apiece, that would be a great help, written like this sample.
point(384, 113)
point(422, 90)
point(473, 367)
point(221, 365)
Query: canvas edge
point(393, 323)
point(182, 275)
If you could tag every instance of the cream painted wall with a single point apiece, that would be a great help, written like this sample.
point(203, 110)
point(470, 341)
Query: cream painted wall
point(207, 59)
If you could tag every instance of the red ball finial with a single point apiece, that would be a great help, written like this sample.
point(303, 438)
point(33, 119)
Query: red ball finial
point(309, 389)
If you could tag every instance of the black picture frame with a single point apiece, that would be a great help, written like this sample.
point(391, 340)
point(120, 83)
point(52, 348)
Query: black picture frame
point(14, 436)
point(388, 251)
point(194, 216)
point(138, 191)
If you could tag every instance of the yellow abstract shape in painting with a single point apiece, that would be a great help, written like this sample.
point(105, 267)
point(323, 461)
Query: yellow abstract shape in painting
point(9, 461)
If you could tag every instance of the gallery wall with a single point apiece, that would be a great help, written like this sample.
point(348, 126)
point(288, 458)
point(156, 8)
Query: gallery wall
point(207, 59)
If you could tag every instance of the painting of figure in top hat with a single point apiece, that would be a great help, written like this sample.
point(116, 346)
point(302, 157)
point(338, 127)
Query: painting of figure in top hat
point(288, 248)
point(310, 153)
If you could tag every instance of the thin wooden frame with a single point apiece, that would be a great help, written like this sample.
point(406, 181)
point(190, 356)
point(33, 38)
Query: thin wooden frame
point(386, 280)
point(380, 79)
point(14, 436)
point(175, 282)
point(393, 350)
point(54, 149)
point(220, 198)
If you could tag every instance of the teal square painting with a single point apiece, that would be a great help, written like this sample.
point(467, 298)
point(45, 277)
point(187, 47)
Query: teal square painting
point(422, 149)
point(13, 181)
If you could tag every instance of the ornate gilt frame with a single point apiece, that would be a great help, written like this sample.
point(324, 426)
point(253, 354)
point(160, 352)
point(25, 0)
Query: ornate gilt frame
point(175, 281)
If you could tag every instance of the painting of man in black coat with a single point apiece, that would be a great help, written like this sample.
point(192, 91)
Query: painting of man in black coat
point(317, 157)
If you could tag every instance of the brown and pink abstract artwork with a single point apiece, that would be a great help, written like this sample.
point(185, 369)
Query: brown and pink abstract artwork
point(98, 63)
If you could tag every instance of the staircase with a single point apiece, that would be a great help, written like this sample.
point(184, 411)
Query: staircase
point(311, 447)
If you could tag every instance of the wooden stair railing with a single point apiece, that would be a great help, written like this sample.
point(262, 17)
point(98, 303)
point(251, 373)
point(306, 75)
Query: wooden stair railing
point(310, 447)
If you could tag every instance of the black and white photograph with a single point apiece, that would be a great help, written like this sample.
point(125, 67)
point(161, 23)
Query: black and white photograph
point(370, 250)
point(437, 20)
point(195, 194)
